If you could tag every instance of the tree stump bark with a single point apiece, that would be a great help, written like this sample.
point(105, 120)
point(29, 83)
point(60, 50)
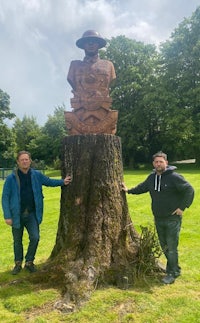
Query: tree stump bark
point(96, 242)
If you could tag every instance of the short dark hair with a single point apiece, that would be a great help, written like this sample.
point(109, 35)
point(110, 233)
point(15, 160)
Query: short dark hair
point(22, 152)
point(160, 154)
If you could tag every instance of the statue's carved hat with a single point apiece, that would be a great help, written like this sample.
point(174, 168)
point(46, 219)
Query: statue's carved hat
point(91, 34)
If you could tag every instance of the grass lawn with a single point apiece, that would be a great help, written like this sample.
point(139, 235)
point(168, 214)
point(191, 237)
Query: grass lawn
point(148, 301)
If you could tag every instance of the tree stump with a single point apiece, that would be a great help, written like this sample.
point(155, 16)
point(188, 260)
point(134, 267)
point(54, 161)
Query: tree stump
point(96, 242)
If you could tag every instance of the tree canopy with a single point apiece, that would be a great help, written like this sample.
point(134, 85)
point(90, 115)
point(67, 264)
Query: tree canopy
point(157, 94)
point(7, 140)
point(5, 112)
point(181, 79)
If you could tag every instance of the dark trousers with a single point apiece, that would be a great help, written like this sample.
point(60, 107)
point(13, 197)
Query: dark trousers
point(29, 222)
point(168, 234)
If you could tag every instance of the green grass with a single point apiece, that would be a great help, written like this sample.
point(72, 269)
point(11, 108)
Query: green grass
point(146, 302)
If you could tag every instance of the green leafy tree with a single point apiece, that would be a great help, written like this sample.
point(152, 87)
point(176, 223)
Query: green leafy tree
point(7, 140)
point(157, 93)
point(181, 79)
point(134, 96)
point(55, 131)
point(47, 146)
point(7, 147)
point(5, 107)
point(25, 131)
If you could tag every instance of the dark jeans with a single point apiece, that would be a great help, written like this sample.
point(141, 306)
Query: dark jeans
point(168, 234)
point(30, 223)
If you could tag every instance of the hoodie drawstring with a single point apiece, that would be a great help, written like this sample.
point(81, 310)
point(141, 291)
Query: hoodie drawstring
point(157, 186)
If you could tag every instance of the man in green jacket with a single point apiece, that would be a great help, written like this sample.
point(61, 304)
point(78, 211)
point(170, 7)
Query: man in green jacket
point(22, 203)
point(171, 194)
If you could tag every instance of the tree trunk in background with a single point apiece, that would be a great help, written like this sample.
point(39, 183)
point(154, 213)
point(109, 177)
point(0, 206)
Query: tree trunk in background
point(96, 243)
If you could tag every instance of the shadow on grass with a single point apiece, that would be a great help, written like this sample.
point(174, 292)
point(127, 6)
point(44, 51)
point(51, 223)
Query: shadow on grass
point(25, 282)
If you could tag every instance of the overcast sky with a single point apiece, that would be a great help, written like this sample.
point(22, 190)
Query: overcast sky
point(38, 38)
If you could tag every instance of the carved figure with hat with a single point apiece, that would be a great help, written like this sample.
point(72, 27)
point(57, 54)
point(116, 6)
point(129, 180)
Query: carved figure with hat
point(90, 80)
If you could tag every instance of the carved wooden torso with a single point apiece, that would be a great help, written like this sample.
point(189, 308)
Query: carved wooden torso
point(90, 80)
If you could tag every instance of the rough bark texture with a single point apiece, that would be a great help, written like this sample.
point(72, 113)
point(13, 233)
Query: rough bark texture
point(96, 243)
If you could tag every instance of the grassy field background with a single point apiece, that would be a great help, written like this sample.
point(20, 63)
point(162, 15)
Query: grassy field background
point(148, 301)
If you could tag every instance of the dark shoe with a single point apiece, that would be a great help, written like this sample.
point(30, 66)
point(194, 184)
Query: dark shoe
point(17, 268)
point(177, 274)
point(169, 279)
point(30, 267)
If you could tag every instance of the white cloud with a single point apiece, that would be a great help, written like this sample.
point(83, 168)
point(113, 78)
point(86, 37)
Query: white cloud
point(38, 42)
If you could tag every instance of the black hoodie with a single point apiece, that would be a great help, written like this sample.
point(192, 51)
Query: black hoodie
point(168, 191)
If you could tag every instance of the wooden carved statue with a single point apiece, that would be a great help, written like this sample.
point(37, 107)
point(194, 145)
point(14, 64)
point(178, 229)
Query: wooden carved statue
point(90, 80)
point(96, 243)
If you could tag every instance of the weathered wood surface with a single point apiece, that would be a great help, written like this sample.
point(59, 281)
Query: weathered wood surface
point(96, 242)
point(90, 80)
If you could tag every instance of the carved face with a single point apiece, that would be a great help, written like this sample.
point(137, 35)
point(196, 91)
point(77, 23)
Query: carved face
point(91, 47)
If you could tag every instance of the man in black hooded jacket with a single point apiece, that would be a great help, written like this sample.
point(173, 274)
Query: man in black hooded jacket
point(171, 194)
